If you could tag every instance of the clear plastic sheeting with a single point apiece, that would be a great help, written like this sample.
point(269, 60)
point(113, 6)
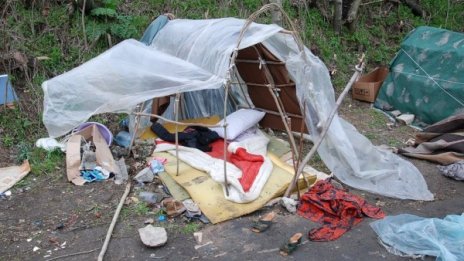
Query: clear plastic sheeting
point(412, 235)
point(189, 56)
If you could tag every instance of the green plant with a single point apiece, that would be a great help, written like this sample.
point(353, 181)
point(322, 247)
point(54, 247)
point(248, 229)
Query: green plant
point(108, 21)
point(141, 208)
point(190, 228)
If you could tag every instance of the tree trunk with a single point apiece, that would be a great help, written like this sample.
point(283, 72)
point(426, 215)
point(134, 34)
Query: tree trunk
point(337, 19)
point(276, 14)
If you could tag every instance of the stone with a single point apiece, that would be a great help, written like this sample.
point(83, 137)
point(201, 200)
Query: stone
point(153, 236)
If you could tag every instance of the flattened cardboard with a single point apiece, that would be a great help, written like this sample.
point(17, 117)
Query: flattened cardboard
point(73, 154)
point(367, 86)
point(11, 175)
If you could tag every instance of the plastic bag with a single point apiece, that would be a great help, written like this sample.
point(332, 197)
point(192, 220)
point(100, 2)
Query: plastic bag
point(413, 235)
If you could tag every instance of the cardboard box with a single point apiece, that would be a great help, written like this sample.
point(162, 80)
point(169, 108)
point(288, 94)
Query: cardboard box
point(73, 154)
point(368, 85)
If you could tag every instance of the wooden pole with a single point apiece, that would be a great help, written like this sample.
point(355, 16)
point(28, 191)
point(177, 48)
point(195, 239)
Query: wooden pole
point(326, 127)
point(337, 18)
point(113, 222)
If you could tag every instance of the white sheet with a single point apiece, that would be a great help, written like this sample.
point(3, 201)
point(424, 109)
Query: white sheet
point(254, 144)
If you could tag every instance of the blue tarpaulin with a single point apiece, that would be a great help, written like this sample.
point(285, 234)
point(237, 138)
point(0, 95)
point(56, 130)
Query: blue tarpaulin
point(7, 93)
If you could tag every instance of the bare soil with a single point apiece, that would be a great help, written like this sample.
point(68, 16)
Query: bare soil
point(61, 219)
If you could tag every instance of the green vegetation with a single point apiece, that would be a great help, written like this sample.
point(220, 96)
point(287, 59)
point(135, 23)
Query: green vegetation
point(52, 41)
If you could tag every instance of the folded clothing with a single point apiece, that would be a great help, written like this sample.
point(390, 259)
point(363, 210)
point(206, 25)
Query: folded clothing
point(336, 209)
point(193, 136)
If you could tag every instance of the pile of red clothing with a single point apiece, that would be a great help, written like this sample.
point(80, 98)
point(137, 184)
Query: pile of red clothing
point(336, 209)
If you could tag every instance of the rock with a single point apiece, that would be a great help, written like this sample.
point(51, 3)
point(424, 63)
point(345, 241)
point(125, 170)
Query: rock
point(35, 249)
point(153, 236)
point(145, 175)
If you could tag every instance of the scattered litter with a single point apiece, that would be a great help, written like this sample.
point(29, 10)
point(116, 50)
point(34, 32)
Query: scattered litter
point(192, 208)
point(263, 223)
point(50, 144)
point(410, 142)
point(145, 176)
point(121, 176)
point(35, 249)
point(454, 171)
point(156, 166)
point(173, 207)
point(11, 175)
point(395, 113)
point(205, 244)
point(153, 236)
point(63, 245)
point(406, 119)
point(123, 139)
point(289, 204)
point(198, 237)
point(29, 239)
point(149, 221)
point(291, 245)
point(73, 156)
point(268, 250)
point(161, 218)
point(149, 197)
point(221, 254)
point(153, 255)
point(413, 235)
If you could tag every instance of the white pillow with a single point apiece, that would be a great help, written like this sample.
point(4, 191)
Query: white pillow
point(238, 122)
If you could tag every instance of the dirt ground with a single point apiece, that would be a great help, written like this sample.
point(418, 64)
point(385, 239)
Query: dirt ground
point(61, 219)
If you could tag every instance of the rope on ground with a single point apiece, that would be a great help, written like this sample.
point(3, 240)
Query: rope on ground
point(113, 222)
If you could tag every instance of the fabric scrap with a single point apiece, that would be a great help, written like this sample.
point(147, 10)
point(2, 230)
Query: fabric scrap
point(336, 209)
point(414, 235)
point(454, 171)
point(156, 166)
point(96, 174)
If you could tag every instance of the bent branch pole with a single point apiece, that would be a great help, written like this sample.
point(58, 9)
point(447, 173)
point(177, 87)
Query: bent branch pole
point(313, 150)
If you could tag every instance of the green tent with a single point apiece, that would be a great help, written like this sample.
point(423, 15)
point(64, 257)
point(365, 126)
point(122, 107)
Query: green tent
point(426, 77)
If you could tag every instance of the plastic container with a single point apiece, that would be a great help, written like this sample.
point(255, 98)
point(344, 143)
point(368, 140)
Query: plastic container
point(105, 132)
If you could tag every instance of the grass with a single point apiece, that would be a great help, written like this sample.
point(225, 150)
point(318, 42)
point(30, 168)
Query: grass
point(58, 37)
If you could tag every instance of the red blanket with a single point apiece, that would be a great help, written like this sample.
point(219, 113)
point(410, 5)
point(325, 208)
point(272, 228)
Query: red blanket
point(336, 209)
point(248, 163)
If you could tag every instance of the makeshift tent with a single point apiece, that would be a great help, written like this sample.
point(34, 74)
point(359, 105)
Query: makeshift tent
point(427, 76)
point(7, 93)
point(195, 55)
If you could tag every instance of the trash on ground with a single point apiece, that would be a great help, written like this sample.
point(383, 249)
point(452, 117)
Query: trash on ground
point(121, 176)
point(156, 166)
point(454, 171)
point(317, 205)
point(153, 236)
point(149, 221)
point(104, 131)
point(198, 237)
point(291, 245)
point(101, 156)
point(405, 119)
point(145, 176)
point(413, 235)
point(150, 197)
point(11, 175)
point(264, 223)
point(173, 207)
point(123, 139)
point(50, 144)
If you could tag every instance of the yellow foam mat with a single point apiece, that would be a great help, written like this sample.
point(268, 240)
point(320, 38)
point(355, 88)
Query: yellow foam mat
point(209, 196)
point(171, 127)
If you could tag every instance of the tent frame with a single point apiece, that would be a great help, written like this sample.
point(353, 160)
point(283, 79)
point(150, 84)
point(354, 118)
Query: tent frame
point(272, 87)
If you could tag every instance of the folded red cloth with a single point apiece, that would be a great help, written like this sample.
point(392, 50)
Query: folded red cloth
point(336, 209)
point(248, 163)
